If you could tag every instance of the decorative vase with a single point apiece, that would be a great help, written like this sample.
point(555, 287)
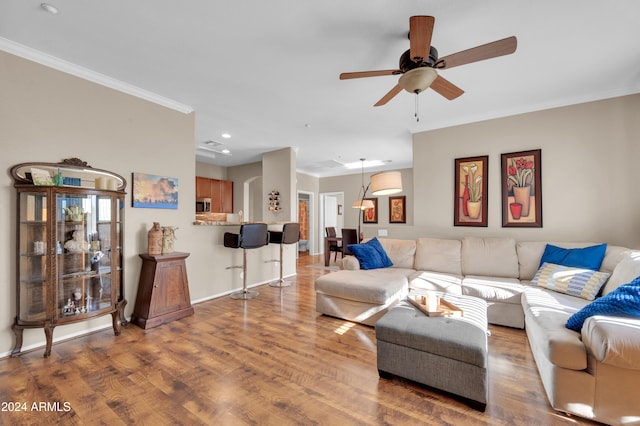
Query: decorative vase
point(154, 243)
point(522, 195)
point(168, 236)
point(516, 210)
point(473, 208)
point(465, 196)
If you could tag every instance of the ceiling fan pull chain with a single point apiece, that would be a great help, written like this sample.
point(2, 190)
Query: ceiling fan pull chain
point(417, 115)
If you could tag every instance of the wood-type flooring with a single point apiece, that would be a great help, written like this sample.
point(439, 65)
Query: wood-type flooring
point(267, 361)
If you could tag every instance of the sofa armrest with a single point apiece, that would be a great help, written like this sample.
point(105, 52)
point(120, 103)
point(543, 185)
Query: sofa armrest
point(350, 263)
point(613, 340)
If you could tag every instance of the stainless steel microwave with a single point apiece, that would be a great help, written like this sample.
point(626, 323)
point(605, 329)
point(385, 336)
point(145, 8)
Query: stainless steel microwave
point(203, 205)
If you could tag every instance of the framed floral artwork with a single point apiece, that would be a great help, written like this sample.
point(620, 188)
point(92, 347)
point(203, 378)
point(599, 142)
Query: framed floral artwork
point(371, 215)
point(398, 209)
point(470, 192)
point(522, 189)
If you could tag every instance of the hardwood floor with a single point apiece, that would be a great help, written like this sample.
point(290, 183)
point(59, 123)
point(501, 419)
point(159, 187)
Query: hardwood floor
point(268, 361)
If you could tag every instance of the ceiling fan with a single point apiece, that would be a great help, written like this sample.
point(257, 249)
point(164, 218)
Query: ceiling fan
point(418, 65)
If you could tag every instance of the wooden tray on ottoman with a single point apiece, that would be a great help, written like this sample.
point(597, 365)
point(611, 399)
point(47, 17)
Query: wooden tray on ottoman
point(445, 309)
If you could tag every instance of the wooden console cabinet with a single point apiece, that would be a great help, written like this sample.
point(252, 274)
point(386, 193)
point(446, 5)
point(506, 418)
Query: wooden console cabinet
point(163, 290)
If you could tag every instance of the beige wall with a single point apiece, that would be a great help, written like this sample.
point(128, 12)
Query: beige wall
point(589, 172)
point(249, 175)
point(351, 184)
point(279, 174)
point(211, 171)
point(47, 115)
point(589, 184)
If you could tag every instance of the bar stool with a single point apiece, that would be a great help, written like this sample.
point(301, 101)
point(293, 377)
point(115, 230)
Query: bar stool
point(290, 234)
point(251, 236)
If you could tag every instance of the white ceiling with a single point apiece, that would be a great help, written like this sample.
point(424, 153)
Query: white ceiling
point(267, 71)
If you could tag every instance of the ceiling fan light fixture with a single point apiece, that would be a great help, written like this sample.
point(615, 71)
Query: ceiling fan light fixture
point(418, 79)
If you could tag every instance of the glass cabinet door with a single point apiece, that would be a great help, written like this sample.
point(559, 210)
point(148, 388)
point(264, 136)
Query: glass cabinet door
point(32, 247)
point(84, 253)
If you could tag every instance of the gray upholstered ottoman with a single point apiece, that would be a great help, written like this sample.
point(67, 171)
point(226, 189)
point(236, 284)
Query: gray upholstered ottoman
point(449, 354)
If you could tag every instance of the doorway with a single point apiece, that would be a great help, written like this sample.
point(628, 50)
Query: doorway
point(306, 207)
point(331, 214)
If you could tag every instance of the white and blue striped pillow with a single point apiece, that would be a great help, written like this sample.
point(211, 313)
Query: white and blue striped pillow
point(579, 282)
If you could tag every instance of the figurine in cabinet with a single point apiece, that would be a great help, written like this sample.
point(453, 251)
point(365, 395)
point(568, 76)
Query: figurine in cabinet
point(78, 243)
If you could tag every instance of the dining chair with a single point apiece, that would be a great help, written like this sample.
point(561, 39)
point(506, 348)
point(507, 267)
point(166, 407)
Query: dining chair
point(349, 236)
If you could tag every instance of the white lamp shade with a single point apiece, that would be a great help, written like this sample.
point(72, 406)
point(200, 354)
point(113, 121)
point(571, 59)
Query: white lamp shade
point(362, 204)
point(386, 183)
point(418, 79)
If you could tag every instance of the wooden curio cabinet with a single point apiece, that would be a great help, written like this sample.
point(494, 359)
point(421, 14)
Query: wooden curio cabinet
point(69, 246)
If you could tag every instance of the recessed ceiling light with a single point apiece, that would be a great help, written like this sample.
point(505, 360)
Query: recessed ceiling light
point(226, 135)
point(49, 8)
point(226, 151)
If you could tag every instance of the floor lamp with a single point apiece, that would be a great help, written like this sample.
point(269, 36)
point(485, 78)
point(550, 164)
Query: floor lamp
point(361, 203)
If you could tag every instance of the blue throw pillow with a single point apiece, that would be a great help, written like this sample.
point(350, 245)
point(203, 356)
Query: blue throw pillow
point(371, 254)
point(587, 257)
point(624, 301)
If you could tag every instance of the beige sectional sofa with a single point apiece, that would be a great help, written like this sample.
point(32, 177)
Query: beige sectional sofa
point(593, 374)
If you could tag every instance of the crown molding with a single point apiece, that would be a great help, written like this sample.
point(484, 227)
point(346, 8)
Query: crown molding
point(90, 75)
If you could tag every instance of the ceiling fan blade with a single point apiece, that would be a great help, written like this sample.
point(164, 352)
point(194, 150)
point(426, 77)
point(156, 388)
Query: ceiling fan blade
point(420, 31)
point(361, 74)
point(446, 88)
point(502, 47)
point(386, 98)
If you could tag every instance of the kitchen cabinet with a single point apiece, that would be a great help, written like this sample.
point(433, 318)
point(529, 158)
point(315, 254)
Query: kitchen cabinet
point(203, 187)
point(220, 192)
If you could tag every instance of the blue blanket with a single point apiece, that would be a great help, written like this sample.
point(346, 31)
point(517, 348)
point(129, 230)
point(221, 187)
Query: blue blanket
point(623, 301)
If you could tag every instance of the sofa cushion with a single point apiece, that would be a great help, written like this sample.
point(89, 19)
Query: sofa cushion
point(586, 257)
point(371, 255)
point(374, 286)
point(491, 257)
point(623, 301)
point(530, 254)
point(613, 340)
point(625, 271)
point(439, 255)
point(612, 257)
point(579, 282)
point(401, 252)
point(546, 312)
point(436, 281)
point(493, 289)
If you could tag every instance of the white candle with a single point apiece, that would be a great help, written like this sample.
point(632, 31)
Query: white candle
point(432, 302)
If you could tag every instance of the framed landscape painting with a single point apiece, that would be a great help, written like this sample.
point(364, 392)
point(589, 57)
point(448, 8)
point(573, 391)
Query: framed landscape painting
point(521, 189)
point(151, 191)
point(371, 215)
point(398, 209)
point(470, 197)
